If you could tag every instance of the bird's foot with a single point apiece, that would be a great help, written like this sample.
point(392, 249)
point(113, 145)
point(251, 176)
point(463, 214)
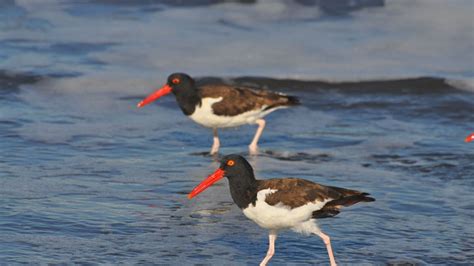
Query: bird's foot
point(253, 149)
point(214, 151)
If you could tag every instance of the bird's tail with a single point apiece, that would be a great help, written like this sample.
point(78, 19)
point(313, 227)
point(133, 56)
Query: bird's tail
point(283, 101)
point(292, 100)
point(351, 200)
point(333, 207)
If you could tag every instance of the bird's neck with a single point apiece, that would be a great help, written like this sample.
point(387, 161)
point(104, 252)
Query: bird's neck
point(243, 190)
point(188, 100)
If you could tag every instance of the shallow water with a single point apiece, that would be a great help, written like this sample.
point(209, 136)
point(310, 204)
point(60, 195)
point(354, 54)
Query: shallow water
point(86, 177)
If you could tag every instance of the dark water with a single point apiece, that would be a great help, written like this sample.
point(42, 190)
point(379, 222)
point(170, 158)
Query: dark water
point(86, 177)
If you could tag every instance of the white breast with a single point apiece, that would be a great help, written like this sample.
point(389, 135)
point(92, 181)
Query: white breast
point(279, 216)
point(204, 115)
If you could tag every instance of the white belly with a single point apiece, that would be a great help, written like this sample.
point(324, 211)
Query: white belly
point(279, 216)
point(204, 115)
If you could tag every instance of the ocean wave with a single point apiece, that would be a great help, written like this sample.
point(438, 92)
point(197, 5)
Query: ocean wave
point(11, 81)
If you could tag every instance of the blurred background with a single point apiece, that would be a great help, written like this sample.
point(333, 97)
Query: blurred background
point(85, 177)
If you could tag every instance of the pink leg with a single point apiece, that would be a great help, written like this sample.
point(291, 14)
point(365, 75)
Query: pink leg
point(327, 241)
point(216, 143)
point(271, 248)
point(253, 145)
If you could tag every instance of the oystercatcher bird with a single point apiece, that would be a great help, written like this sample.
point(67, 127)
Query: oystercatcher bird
point(220, 106)
point(469, 138)
point(287, 203)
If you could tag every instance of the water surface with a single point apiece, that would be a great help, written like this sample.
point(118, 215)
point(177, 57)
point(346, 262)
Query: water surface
point(86, 177)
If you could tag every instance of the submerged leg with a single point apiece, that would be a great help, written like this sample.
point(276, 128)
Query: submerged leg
point(327, 241)
point(216, 143)
point(253, 145)
point(271, 248)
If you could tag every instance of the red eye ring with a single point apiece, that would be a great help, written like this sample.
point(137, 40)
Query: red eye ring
point(230, 162)
point(175, 81)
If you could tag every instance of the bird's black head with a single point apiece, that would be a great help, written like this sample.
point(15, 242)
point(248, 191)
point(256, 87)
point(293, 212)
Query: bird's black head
point(242, 183)
point(241, 179)
point(180, 83)
point(183, 88)
point(236, 166)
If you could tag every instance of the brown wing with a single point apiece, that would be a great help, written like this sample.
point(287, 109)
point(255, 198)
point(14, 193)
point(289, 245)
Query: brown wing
point(295, 192)
point(237, 100)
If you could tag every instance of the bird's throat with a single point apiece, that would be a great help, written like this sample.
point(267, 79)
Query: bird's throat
point(188, 101)
point(243, 191)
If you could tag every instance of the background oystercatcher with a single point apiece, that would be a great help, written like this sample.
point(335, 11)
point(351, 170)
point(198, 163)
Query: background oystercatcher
point(220, 106)
point(469, 138)
point(288, 203)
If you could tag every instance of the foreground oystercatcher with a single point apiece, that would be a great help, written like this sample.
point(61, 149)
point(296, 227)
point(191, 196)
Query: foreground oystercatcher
point(287, 203)
point(469, 138)
point(220, 106)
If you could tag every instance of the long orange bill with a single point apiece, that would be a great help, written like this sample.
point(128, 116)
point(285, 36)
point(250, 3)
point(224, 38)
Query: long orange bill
point(469, 138)
point(155, 95)
point(213, 178)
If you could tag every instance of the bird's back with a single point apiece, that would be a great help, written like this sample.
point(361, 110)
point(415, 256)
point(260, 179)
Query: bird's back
point(238, 100)
point(296, 192)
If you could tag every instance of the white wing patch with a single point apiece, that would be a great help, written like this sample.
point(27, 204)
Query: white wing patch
point(279, 216)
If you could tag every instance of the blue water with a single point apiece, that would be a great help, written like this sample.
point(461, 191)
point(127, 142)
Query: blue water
point(86, 177)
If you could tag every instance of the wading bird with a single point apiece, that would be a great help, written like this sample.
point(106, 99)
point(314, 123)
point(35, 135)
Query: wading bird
point(221, 106)
point(469, 138)
point(287, 203)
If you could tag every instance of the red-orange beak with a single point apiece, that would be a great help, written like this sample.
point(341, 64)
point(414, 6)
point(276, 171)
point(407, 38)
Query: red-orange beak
point(213, 178)
point(155, 95)
point(469, 138)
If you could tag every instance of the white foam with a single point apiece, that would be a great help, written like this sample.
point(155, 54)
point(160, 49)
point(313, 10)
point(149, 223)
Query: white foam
point(464, 84)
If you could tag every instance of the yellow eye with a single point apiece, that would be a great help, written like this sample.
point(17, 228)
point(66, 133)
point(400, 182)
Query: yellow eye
point(176, 81)
point(230, 162)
